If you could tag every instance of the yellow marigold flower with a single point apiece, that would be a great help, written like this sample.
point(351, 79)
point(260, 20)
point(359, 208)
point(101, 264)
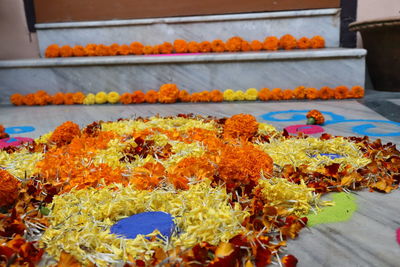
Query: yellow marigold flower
point(90, 99)
point(251, 94)
point(101, 98)
point(229, 95)
point(239, 95)
point(113, 97)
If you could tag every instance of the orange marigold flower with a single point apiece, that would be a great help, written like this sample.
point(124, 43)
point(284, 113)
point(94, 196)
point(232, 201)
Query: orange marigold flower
point(151, 96)
point(317, 42)
point(114, 49)
point(138, 97)
point(271, 43)
point(2, 129)
point(243, 164)
point(242, 126)
point(276, 94)
point(8, 189)
point(78, 98)
point(205, 96)
point(66, 51)
point(216, 96)
point(288, 42)
point(195, 97)
point(256, 45)
point(126, 98)
point(190, 168)
point(180, 46)
point(137, 48)
point(156, 49)
point(124, 50)
point(184, 96)
point(245, 46)
point(148, 176)
point(317, 117)
point(69, 99)
point(341, 92)
point(64, 133)
point(357, 91)
point(287, 94)
point(218, 46)
point(90, 50)
point(148, 50)
point(42, 98)
point(102, 50)
point(168, 93)
point(312, 93)
point(29, 100)
point(52, 51)
point(79, 51)
point(264, 94)
point(234, 44)
point(300, 92)
point(304, 43)
point(205, 47)
point(166, 48)
point(17, 99)
point(58, 99)
point(326, 93)
point(194, 47)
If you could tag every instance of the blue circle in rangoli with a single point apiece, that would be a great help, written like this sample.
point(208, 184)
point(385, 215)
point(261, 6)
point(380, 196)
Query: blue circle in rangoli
point(145, 223)
point(331, 156)
point(19, 129)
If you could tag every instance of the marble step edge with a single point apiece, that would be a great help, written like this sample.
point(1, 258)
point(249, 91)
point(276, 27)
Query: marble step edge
point(197, 58)
point(192, 19)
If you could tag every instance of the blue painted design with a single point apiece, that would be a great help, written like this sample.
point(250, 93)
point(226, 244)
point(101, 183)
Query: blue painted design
point(11, 139)
point(145, 223)
point(332, 156)
point(364, 127)
point(19, 129)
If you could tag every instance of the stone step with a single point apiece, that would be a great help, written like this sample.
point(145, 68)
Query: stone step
point(250, 26)
point(284, 69)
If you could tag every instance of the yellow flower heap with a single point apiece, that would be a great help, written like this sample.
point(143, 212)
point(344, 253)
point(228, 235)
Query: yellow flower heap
point(81, 220)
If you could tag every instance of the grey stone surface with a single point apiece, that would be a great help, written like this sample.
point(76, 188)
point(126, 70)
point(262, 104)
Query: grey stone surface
point(195, 73)
point(250, 26)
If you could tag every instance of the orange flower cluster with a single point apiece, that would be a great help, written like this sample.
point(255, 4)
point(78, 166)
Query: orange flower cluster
point(234, 44)
point(8, 189)
point(243, 126)
point(316, 117)
point(64, 133)
point(3, 134)
point(301, 92)
point(41, 98)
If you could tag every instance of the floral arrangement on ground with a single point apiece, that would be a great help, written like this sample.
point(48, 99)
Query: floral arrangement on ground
point(237, 190)
point(170, 93)
point(179, 46)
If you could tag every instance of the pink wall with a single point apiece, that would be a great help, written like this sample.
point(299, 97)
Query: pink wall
point(16, 41)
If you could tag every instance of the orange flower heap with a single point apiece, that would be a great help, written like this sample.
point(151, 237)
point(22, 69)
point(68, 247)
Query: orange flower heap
point(271, 43)
point(243, 165)
point(52, 51)
point(317, 42)
point(218, 46)
point(288, 42)
point(315, 117)
point(180, 46)
point(168, 93)
point(243, 126)
point(234, 44)
point(3, 134)
point(8, 189)
point(64, 133)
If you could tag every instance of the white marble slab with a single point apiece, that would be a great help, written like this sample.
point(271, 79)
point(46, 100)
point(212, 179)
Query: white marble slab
point(287, 69)
point(250, 26)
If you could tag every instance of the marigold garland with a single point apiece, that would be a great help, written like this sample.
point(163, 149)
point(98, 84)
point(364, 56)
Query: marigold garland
point(170, 93)
point(233, 44)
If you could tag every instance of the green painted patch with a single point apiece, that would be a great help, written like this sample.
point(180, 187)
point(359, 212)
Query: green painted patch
point(344, 207)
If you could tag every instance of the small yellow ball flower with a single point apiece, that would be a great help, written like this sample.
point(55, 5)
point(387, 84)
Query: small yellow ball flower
point(251, 94)
point(239, 95)
point(113, 97)
point(229, 95)
point(101, 98)
point(90, 99)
